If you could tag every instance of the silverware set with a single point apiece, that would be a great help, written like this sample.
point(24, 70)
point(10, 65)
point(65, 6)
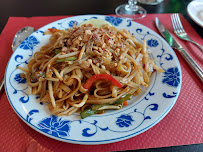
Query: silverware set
point(180, 32)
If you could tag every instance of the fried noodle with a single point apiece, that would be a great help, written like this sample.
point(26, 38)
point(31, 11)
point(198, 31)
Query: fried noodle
point(60, 69)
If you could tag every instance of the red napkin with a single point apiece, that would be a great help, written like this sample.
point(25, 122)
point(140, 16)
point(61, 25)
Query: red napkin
point(183, 125)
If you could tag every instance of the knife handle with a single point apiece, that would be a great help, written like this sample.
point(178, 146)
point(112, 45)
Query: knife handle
point(192, 64)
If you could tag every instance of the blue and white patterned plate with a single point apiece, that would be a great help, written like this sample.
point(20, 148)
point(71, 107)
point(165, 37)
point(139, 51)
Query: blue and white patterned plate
point(143, 111)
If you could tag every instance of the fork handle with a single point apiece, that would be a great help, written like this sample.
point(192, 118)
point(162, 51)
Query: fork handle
point(200, 47)
point(192, 64)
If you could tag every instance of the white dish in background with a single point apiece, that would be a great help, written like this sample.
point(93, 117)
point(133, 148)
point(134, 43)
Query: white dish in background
point(142, 112)
point(195, 11)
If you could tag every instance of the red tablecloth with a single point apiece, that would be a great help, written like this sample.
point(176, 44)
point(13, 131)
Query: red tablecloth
point(183, 125)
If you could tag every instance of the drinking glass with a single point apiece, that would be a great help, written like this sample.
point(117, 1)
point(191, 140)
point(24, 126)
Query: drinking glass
point(131, 10)
point(150, 2)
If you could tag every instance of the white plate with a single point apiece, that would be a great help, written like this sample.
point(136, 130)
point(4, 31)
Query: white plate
point(195, 11)
point(143, 111)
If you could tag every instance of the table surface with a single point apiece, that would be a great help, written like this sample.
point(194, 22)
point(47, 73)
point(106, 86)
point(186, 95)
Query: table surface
point(24, 8)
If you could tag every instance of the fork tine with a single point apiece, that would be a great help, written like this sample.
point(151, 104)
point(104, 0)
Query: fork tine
point(175, 27)
point(176, 23)
point(180, 26)
point(173, 23)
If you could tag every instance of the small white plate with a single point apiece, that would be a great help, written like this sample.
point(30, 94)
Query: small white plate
point(195, 11)
point(142, 112)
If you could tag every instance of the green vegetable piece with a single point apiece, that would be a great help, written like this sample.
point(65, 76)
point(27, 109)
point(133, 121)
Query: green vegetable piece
point(57, 51)
point(96, 107)
point(87, 113)
point(125, 98)
point(117, 102)
point(72, 58)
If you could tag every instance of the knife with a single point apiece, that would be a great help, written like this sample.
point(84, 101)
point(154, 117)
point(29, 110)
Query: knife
point(175, 45)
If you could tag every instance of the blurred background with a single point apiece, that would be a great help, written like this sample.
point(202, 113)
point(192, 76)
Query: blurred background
point(25, 8)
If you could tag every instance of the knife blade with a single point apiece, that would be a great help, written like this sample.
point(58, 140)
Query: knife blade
point(175, 45)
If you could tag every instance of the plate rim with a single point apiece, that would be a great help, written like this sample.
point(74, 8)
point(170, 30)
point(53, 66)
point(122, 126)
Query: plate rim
point(192, 16)
point(109, 140)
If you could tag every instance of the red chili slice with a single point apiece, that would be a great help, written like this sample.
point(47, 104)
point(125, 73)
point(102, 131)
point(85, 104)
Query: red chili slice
point(95, 77)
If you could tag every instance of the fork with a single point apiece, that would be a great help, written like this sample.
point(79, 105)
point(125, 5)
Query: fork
point(179, 31)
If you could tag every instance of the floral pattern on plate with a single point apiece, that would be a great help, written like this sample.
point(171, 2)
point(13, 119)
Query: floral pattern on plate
point(143, 111)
